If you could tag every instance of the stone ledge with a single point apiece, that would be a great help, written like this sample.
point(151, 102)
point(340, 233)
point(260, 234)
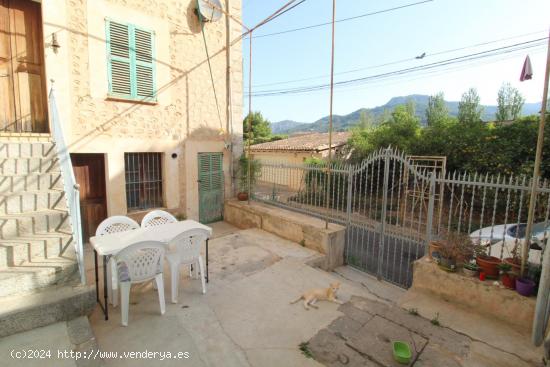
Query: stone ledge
point(481, 297)
point(296, 227)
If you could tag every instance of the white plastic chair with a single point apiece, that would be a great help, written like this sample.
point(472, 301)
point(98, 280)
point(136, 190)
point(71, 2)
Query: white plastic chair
point(185, 249)
point(156, 218)
point(114, 224)
point(138, 263)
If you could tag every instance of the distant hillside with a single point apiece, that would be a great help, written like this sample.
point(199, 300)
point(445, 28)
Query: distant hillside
point(342, 123)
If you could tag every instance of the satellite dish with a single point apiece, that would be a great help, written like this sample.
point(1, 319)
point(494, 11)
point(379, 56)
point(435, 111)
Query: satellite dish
point(210, 10)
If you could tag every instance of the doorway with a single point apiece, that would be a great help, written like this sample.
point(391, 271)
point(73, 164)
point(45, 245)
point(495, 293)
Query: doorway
point(23, 96)
point(89, 171)
point(210, 187)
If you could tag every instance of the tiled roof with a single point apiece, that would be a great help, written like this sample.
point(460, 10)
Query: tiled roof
point(305, 142)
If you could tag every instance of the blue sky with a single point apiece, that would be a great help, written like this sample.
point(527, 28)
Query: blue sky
point(365, 43)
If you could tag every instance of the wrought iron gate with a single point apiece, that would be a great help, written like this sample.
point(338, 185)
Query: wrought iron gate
point(390, 207)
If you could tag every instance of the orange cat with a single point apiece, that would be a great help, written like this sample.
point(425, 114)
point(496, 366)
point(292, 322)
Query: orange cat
point(320, 294)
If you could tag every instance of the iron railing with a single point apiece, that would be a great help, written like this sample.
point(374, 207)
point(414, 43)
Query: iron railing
point(393, 209)
point(71, 188)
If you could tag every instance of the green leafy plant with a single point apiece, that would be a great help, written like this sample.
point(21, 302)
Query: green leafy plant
point(435, 320)
point(504, 268)
point(304, 348)
point(471, 266)
point(255, 171)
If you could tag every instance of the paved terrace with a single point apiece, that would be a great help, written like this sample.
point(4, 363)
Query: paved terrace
point(245, 318)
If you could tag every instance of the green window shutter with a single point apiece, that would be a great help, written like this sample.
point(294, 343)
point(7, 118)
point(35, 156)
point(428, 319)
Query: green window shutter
point(145, 71)
point(130, 61)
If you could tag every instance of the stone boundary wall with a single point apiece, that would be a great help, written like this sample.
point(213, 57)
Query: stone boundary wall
point(302, 229)
point(482, 297)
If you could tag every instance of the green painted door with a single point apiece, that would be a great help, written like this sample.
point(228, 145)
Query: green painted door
point(210, 187)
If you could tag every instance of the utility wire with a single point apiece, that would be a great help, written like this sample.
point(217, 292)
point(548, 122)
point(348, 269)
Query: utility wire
point(402, 60)
point(342, 20)
point(464, 58)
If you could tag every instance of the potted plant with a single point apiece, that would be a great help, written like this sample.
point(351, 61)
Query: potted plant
point(470, 269)
point(525, 286)
point(433, 252)
point(487, 264)
point(507, 277)
point(244, 180)
point(454, 249)
point(515, 260)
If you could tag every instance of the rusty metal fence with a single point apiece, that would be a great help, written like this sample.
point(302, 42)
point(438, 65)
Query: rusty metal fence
point(392, 209)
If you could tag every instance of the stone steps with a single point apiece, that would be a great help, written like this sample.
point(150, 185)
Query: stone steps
point(47, 220)
point(27, 165)
point(30, 182)
point(33, 275)
point(57, 303)
point(29, 201)
point(10, 149)
point(16, 250)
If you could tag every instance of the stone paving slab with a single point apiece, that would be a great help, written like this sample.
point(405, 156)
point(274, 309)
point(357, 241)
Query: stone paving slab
point(363, 337)
point(375, 339)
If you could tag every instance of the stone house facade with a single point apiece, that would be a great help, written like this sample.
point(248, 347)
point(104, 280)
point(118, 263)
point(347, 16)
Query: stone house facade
point(138, 128)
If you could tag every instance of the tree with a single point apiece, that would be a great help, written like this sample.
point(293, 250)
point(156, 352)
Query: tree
point(437, 111)
point(261, 128)
point(510, 102)
point(469, 109)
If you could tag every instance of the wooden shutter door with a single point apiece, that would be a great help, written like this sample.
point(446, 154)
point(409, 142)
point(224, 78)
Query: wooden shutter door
point(22, 81)
point(210, 187)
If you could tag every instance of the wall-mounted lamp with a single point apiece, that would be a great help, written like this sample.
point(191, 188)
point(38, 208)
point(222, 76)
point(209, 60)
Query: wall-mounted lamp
point(55, 44)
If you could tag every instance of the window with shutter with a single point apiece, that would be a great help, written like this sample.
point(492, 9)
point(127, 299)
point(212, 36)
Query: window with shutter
point(130, 62)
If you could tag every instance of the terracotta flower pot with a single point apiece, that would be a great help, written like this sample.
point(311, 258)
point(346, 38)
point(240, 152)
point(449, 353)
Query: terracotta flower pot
point(242, 196)
point(489, 265)
point(509, 281)
point(516, 265)
point(525, 286)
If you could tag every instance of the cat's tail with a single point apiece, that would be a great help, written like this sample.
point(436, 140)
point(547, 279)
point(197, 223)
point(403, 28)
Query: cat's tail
point(299, 298)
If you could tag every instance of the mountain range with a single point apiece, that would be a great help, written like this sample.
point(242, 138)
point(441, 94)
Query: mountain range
point(344, 122)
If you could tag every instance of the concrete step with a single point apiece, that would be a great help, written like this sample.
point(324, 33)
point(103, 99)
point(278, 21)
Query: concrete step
point(51, 305)
point(28, 201)
point(48, 220)
point(19, 249)
point(30, 182)
point(30, 276)
point(26, 165)
point(27, 149)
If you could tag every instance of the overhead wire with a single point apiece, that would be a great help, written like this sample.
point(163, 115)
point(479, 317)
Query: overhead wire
point(343, 19)
point(401, 60)
point(473, 56)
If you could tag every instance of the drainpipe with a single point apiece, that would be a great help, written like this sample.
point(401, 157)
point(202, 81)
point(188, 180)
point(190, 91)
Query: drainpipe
point(229, 99)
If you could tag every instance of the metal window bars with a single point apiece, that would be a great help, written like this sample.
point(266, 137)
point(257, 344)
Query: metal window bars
point(143, 174)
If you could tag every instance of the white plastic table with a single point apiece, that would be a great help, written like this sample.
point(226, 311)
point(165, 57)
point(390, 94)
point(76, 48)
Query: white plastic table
point(110, 244)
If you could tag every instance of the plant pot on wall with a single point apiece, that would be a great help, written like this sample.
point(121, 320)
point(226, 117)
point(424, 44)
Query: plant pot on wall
point(488, 265)
point(242, 196)
point(509, 281)
point(525, 286)
point(434, 250)
point(514, 263)
point(447, 264)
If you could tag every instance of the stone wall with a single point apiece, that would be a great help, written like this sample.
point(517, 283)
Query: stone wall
point(184, 120)
point(481, 297)
point(305, 230)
